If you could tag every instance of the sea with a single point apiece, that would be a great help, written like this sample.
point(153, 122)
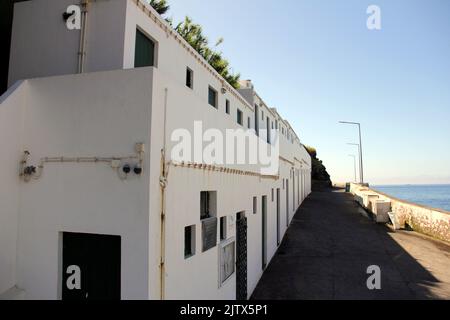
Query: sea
point(435, 196)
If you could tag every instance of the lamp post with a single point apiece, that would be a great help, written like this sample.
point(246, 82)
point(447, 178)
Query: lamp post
point(359, 152)
point(360, 147)
point(354, 163)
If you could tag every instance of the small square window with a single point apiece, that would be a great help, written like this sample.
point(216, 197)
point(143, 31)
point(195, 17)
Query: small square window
point(255, 203)
point(189, 78)
point(212, 97)
point(189, 241)
point(227, 106)
point(239, 117)
point(223, 228)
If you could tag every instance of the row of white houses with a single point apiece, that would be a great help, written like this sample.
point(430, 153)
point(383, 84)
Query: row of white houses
point(94, 201)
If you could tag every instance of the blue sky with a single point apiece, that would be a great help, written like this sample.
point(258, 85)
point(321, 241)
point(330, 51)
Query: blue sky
point(317, 63)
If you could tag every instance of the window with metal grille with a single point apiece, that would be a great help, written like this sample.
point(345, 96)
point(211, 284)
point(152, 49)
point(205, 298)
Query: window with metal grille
point(209, 233)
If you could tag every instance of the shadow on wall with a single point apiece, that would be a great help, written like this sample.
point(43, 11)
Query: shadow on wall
point(328, 248)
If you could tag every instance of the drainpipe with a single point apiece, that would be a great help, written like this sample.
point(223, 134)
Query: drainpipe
point(82, 47)
point(163, 183)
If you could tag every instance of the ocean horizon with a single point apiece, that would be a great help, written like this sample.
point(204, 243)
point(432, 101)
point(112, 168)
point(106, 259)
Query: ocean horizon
point(432, 195)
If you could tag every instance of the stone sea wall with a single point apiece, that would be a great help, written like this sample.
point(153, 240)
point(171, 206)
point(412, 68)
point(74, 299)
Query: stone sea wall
point(423, 219)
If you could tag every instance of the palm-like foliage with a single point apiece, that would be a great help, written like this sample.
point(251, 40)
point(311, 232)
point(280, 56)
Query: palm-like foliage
point(161, 6)
point(193, 34)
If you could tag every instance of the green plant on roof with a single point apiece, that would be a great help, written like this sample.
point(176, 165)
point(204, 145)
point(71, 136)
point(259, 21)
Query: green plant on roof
point(193, 34)
point(161, 6)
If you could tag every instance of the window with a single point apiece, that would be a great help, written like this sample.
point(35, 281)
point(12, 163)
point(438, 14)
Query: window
point(248, 122)
point(189, 241)
point(255, 203)
point(276, 124)
point(226, 260)
point(283, 184)
point(227, 106)
point(262, 115)
point(189, 78)
point(239, 117)
point(268, 129)
point(223, 228)
point(209, 233)
point(208, 205)
point(144, 52)
point(272, 194)
point(272, 125)
point(212, 97)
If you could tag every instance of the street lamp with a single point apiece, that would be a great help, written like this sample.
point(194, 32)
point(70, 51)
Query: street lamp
point(360, 146)
point(354, 163)
point(359, 152)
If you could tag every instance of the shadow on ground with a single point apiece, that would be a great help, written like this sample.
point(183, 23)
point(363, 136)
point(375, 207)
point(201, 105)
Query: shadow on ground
point(329, 245)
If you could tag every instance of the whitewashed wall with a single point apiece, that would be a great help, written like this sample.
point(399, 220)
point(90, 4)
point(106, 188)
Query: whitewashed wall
point(97, 114)
point(198, 276)
point(105, 114)
point(12, 109)
point(41, 44)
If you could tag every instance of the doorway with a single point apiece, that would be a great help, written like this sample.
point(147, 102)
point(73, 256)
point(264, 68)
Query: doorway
point(90, 266)
point(257, 119)
point(287, 202)
point(278, 216)
point(241, 256)
point(264, 231)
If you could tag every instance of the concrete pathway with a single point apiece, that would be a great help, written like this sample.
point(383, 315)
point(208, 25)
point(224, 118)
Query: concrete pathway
point(330, 244)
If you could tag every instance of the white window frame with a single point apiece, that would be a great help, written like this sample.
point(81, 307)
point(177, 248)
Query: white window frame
point(220, 257)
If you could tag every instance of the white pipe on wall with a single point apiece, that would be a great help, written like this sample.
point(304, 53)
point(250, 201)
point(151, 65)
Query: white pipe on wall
point(82, 47)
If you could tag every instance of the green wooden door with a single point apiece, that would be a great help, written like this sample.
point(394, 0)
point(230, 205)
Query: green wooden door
point(144, 54)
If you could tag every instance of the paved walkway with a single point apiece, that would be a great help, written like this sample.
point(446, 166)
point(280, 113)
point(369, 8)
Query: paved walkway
point(330, 244)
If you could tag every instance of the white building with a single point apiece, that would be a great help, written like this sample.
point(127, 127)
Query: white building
point(72, 223)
